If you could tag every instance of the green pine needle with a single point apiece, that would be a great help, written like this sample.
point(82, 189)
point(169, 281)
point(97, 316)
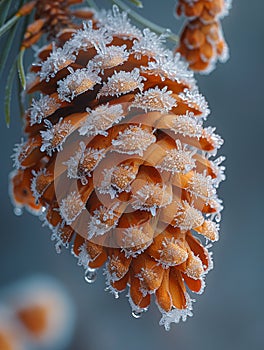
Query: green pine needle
point(9, 24)
point(7, 47)
point(20, 67)
point(8, 93)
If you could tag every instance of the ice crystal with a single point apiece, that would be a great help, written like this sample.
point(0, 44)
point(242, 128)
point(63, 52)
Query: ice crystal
point(110, 56)
point(154, 99)
point(55, 135)
point(187, 125)
point(40, 181)
point(119, 25)
point(178, 160)
point(116, 180)
point(210, 230)
point(59, 58)
point(151, 197)
point(71, 207)
point(218, 169)
point(176, 315)
point(81, 165)
point(187, 217)
point(195, 100)
point(216, 139)
point(201, 186)
point(133, 140)
point(88, 37)
point(171, 67)
point(42, 108)
point(102, 220)
point(135, 241)
point(122, 83)
point(194, 266)
point(78, 82)
point(83, 257)
point(21, 152)
point(172, 253)
point(101, 119)
point(150, 44)
point(145, 277)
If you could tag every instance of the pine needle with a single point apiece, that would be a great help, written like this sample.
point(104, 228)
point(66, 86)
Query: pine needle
point(9, 24)
point(6, 50)
point(8, 93)
point(20, 67)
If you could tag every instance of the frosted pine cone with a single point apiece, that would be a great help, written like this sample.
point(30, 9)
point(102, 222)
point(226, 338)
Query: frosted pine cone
point(202, 42)
point(117, 160)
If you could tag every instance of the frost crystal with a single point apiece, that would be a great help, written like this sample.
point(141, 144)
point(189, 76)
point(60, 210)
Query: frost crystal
point(21, 152)
point(55, 135)
point(42, 108)
point(154, 100)
point(71, 207)
point(133, 140)
point(121, 83)
point(187, 217)
point(170, 67)
point(178, 160)
point(78, 82)
point(119, 25)
point(218, 170)
point(150, 44)
point(210, 230)
point(83, 162)
point(110, 56)
point(217, 140)
point(176, 315)
point(201, 186)
point(58, 59)
point(83, 257)
point(187, 125)
point(40, 181)
point(172, 253)
point(195, 100)
point(88, 37)
point(151, 196)
point(101, 119)
point(102, 221)
point(135, 241)
point(117, 180)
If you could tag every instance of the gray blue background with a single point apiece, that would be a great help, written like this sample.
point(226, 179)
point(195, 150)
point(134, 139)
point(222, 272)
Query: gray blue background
point(229, 315)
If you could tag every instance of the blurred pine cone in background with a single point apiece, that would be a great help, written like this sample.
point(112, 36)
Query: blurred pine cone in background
point(118, 162)
point(202, 42)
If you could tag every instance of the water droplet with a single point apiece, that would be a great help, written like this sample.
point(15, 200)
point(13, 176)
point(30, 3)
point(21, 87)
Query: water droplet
point(116, 295)
point(90, 275)
point(18, 211)
point(136, 314)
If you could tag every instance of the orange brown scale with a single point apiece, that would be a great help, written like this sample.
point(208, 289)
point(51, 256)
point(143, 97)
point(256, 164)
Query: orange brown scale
point(131, 210)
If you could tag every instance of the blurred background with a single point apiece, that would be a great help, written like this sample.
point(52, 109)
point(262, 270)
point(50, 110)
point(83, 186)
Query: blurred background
point(229, 315)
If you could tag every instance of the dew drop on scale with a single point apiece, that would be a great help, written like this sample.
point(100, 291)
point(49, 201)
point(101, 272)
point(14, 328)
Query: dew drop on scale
point(18, 211)
point(90, 275)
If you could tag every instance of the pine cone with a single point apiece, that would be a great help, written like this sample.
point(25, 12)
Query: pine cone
point(202, 42)
point(117, 160)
